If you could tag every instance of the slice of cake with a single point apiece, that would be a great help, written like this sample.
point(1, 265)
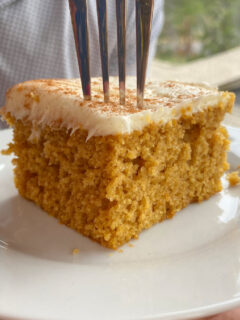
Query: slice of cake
point(111, 171)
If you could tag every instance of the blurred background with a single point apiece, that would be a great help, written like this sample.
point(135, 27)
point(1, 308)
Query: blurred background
point(198, 28)
point(200, 41)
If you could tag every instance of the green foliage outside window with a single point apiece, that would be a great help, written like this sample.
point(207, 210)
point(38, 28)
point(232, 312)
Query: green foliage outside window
point(198, 28)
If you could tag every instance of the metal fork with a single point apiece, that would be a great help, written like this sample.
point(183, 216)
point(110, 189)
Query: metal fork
point(144, 12)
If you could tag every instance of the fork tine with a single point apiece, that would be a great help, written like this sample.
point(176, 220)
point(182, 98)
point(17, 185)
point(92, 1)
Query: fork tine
point(121, 36)
point(103, 40)
point(78, 9)
point(144, 12)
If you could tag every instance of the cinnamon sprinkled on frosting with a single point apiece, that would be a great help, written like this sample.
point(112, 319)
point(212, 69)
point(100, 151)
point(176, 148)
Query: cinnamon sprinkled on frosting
point(44, 102)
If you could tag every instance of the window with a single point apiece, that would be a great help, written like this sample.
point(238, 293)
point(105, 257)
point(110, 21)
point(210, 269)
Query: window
point(200, 41)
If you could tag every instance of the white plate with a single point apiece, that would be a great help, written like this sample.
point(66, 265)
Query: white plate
point(182, 268)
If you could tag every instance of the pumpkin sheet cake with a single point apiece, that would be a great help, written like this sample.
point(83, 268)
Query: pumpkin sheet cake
point(110, 171)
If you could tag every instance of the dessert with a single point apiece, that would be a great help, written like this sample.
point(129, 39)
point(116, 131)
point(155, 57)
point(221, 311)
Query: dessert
point(111, 171)
point(233, 178)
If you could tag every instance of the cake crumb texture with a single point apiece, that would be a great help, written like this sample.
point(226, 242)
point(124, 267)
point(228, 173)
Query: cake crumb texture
point(75, 251)
point(233, 178)
point(110, 188)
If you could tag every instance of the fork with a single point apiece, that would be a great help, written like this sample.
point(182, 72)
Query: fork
point(144, 12)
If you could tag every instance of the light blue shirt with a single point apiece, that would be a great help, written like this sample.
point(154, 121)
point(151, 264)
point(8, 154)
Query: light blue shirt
point(36, 40)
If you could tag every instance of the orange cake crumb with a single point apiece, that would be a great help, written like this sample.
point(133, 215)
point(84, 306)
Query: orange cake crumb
point(233, 178)
point(75, 251)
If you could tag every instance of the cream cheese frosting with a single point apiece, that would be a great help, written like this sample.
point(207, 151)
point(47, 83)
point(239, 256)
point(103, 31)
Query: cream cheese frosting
point(59, 103)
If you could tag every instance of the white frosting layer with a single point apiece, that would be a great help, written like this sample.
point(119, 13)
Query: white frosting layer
point(59, 103)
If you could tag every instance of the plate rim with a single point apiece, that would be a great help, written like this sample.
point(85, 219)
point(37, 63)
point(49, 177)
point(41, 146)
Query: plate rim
point(192, 313)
